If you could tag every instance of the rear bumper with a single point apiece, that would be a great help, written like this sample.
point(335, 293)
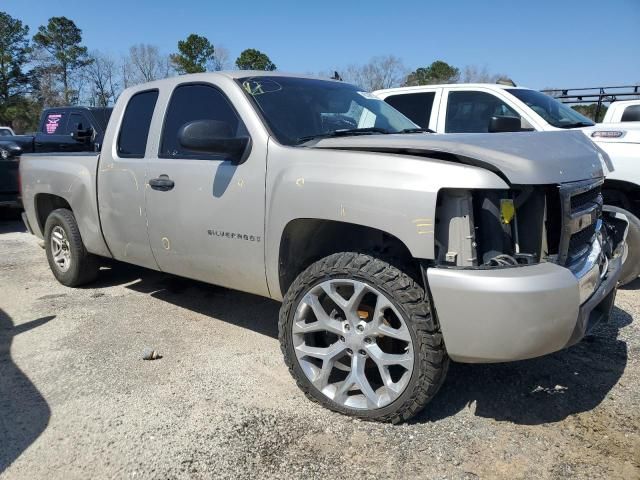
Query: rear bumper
point(523, 312)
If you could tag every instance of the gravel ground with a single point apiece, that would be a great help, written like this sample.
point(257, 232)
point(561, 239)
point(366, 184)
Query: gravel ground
point(77, 401)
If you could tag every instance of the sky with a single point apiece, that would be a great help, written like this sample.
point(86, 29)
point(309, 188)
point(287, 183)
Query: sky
point(561, 43)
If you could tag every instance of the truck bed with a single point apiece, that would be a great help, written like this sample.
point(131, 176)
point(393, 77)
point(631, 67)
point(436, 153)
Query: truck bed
point(71, 176)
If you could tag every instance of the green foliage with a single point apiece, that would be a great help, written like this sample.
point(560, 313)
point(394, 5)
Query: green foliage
point(437, 72)
point(62, 39)
point(196, 53)
point(589, 111)
point(21, 113)
point(15, 110)
point(14, 54)
point(252, 59)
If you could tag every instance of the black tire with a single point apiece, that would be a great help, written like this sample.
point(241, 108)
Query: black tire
point(430, 358)
point(83, 266)
point(631, 267)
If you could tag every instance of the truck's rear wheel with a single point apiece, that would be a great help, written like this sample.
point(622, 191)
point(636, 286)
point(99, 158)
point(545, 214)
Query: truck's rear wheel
point(358, 338)
point(631, 267)
point(68, 258)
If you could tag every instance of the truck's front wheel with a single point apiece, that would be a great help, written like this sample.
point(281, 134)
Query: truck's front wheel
point(68, 258)
point(358, 338)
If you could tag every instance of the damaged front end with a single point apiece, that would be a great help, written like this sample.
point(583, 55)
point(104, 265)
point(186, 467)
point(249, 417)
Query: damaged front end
point(536, 263)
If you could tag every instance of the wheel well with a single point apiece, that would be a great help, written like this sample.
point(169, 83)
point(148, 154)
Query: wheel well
point(622, 194)
point(304, 241)
point(45, 203)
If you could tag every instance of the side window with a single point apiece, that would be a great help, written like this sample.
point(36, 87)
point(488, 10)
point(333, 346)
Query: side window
point(77, 121)
point(471, 112)
point(631, 114)
point(54, 123)
point(195, 102)
point(132, 140)
point(415, 106)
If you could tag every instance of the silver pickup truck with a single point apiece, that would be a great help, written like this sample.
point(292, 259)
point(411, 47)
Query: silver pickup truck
point(392, 250)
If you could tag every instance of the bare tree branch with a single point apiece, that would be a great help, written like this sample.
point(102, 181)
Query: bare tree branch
point(383, 71)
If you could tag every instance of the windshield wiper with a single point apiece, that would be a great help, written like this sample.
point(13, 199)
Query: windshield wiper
point(416, 130)
point(343, 133)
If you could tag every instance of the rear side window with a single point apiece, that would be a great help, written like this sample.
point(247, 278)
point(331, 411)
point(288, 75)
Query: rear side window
point(54, 123)
point(132, 140)
point(195, 102)
point(631, 114)
point(415, 106)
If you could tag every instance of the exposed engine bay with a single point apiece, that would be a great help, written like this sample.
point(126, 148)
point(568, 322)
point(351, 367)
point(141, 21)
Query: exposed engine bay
point(522, 226)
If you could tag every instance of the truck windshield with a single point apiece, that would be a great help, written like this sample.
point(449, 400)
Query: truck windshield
point(552, 111)
point(300, 109)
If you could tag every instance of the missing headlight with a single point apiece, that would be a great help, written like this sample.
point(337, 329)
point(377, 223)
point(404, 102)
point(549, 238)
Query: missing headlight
point(490, 228)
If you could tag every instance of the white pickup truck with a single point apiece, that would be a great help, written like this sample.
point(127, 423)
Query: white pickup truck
point(622, 112)
point(485, 108)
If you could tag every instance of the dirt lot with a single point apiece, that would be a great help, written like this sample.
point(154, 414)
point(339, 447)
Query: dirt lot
point(77, 401)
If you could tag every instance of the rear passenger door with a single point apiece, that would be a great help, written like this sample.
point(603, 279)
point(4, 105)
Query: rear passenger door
point(205, 212)
point(121, 182)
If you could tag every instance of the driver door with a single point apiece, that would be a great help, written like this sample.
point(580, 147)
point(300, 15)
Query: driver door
point(206, 212)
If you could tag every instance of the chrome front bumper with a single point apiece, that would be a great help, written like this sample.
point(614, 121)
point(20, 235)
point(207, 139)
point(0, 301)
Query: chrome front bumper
point(508, 314)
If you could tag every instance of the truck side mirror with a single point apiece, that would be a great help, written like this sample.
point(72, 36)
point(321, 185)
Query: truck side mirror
point(504, 124)
point(213, 137)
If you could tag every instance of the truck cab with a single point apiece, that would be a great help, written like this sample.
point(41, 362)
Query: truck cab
point(64, 129)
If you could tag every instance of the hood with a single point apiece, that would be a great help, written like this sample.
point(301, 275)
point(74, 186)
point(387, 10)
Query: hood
point(527, 158)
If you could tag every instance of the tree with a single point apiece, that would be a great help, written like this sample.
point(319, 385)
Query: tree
point(102, 75)
point(220, 58)
point(62, 39)
point(475, 74)
point(196, 55)
point(590, 111)
point(437, 72)
point(380, 72)
point(145, 63)
point(252, 59)
point(14, 52)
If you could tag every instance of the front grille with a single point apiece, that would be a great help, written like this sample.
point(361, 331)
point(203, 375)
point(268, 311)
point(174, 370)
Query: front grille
point(581, 208)
point(584, 198)
point(580, 242)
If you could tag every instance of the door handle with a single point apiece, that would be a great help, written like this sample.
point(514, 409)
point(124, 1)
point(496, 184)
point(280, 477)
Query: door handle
point(163, 183)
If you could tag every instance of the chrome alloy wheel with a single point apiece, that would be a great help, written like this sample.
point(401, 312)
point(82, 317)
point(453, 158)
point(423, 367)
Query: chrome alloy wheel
point(60, 250)
point(353, 344)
